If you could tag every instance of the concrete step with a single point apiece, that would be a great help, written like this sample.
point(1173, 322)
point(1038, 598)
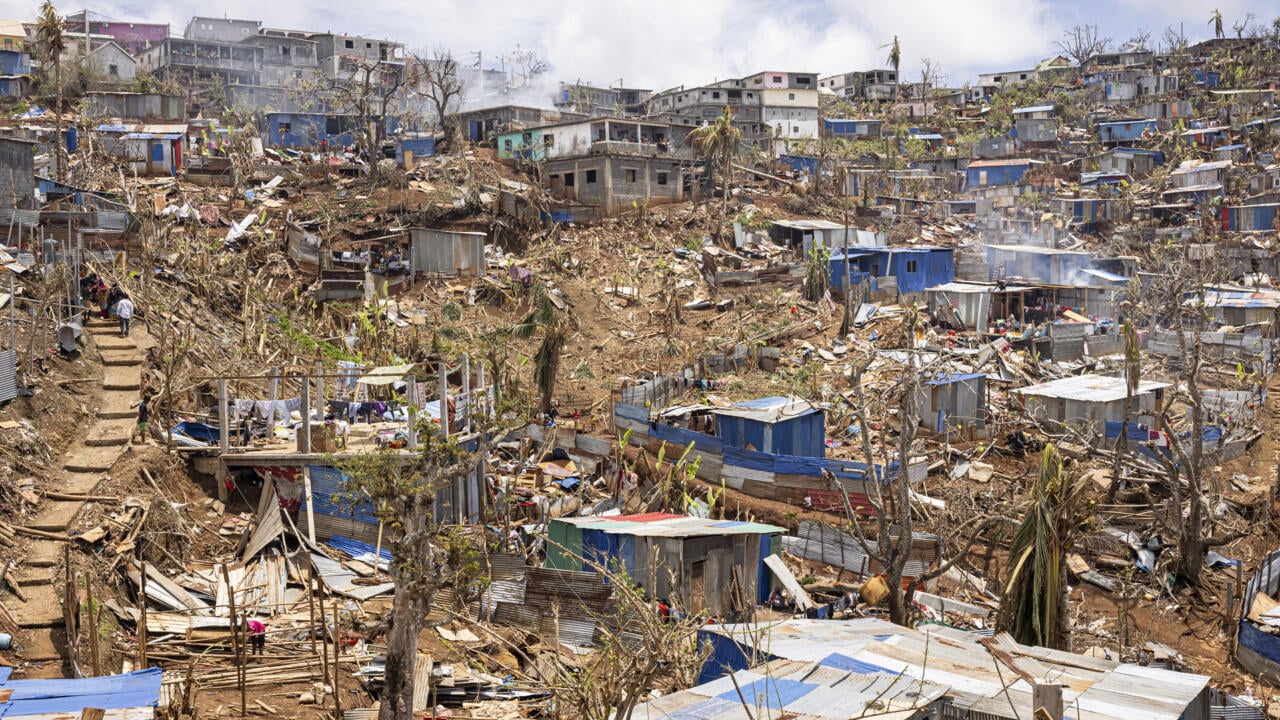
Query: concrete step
point(43, 554)
point(41, 645)
point(56, 516)
point(105, 433)
point(116, 414)
point(122, 378)
point(33, 577)
point(121, 358)
point(90, 459)
point(113, 342)
point(43, 608)
point(81, 483)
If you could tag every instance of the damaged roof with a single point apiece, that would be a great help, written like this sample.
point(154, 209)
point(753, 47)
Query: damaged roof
point(770, 409)
point(667, 525)
point(1089, 388)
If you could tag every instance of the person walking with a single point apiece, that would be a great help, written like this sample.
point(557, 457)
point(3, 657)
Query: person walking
point(124, 310)
point(144, 412)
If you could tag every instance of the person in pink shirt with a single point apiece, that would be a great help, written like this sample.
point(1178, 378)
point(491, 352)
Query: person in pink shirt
point(257, 636)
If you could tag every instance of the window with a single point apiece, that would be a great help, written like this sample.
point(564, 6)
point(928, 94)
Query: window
point(591, 176)
point(912, 266)
point(548, 140)
point(795, 129)
point(568, 180)
point(715, 95)
point(113, 70)
point(791, 96)
point(350, 44)
point(662, 178)
point(999, 79)
point(1023, 76)
point(802, 81)
point(750, 96)
point(368, 45)
point(284, 49)
point(777, 78)
point(506, 144)
point(630, 174)
point(286, 127)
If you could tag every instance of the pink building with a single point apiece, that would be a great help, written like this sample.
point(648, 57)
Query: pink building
point(134, 37)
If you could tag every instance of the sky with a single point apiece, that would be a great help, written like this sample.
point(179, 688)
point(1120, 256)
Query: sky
point(660, 44)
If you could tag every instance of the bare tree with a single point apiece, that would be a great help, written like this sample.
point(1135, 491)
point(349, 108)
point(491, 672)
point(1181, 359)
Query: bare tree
point(370, 90)
point(443, 87)
point(401, 489)
point(931, 75)
point(1082, 42)
point(525, 66)
point(1141, 38)
point(894, 523)
point(1175, 39)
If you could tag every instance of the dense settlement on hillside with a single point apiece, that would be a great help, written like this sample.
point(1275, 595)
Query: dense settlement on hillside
point(1010, 210)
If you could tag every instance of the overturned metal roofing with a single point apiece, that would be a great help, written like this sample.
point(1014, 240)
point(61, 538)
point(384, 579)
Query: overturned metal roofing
point(990, 675)
point(1089, 388)
point(673, 526)
point(798, 690)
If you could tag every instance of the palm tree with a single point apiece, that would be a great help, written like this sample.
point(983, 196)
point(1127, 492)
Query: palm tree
point(718, 142)
point(1032, 608)
point(1215, 19)
point(49, 33)
point(546, 320)
point(895, 59)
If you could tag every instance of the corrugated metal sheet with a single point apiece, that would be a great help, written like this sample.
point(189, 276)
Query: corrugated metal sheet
point(340, 580)
point(8, 375)
point(448, 253)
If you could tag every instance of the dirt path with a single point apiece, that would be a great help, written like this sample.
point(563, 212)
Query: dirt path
point(84, 465)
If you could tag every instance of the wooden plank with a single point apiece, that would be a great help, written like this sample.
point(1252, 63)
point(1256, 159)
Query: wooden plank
point(788, 579)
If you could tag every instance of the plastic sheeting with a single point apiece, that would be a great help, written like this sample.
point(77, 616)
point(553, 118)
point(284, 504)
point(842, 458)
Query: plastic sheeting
point(38, 697)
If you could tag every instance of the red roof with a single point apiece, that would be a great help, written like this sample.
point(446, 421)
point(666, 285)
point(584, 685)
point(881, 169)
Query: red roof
point(643, 518)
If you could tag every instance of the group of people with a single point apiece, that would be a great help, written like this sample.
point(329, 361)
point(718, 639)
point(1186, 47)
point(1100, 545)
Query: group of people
point(93, 289)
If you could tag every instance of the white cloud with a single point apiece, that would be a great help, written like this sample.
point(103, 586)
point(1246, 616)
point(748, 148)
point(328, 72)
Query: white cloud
point(663, 43)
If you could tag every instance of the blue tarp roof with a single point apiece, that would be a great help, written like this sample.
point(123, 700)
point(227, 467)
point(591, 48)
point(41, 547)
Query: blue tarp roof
point(954, 378)
point(140, 688)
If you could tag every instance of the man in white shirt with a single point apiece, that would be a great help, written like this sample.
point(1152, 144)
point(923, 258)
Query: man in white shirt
point(124, 309)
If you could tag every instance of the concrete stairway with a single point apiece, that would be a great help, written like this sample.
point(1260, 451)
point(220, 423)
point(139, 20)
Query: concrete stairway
point(83, 467)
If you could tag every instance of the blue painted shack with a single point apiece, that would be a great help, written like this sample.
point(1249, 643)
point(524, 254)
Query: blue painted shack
point(777, 425)
point(997, 171)
point(852, 128)
point(688, 560)
point(800, 164)
point(15, 73)
point(310, 129)
point(1124, 131)
point(915, 269)
point(1251, 218)
point(415, 146)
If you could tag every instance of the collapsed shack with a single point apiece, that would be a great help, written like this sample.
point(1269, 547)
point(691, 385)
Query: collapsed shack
point(1258, 629)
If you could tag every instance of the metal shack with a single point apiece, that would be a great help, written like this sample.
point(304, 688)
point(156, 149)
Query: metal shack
point(696, 562)
point(975, 669)
point(447, 252)
point(912, 269)
point(776, 425)
point(954, 401)
point(1090, 400)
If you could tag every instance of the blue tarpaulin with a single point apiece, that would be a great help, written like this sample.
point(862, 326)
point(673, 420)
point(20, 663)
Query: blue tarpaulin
point(38, 697)
point(198, 431)
point(356, 548)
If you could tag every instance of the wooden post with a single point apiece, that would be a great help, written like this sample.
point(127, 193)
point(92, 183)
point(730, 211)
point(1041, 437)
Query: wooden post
point(304, 440)
point(466, 391)
point(224, 418)
point(311, 515)
point(319, 379)
point(484, 391)
point(444, 400)
point(337, 648)
point(142, 619)
point(311, 602)
point(93, 629)
point(1046, 701)
point(411, 411)
point(237, 641)
point(273, 394)
point(314, 589)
